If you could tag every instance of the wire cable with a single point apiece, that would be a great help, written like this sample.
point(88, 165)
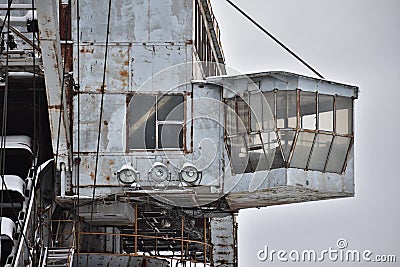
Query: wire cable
point(37, 134)
point(5, 107)
point(101, 108)
point(77, 209)
point(275, 39)
point(100, 121)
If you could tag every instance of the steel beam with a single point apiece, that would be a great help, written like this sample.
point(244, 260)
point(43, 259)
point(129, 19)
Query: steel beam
point(47, 12)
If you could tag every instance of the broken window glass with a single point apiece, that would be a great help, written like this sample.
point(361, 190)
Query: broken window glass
point(286, 138)
point(258, 160)
point(270, 119)
point(254, 140)
point(261, 149)
point(308, 110)
point(238, 154)
point(270, 142)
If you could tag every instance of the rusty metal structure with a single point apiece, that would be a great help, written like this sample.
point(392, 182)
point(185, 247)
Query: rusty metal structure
point(126, 143)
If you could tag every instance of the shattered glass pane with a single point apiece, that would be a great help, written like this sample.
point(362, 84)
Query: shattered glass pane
point(271, 145)
point(258, 160)
point(286, 138)
point(238, 154)
point(308, 110)
point(254, 140)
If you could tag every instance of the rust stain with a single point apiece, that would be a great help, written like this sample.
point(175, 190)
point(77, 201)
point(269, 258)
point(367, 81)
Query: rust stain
point(124, 73)
point(126, 62)
point(54, 106)
point(108, 178)
point(102, 89)
point(77, 161)
point(92, 176)
point(87, 50)
point(111, 162)
point(48, 33)
point(106, 123)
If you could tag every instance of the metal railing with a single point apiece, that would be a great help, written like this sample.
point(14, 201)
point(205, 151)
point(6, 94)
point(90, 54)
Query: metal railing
point(183, 255)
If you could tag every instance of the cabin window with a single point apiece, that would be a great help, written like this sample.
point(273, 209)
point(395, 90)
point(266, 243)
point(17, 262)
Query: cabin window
point(156, 122)
point(308, 110)
point(344, 115)
point(325, 112)
point(251, 139)
point(286, 109)
point(281, 128)
point(320, 152)
point(302, 150)
point(337, 156)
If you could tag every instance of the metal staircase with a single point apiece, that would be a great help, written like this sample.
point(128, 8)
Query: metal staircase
point(57, 257)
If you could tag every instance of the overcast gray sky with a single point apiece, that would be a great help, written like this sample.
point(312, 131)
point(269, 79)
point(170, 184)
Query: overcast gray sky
point(351, 41)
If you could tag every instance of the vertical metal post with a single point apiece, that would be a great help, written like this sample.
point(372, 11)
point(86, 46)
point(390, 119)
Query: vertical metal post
point(182, 232)
point(298, 118)
point(156, 245)
point(205, 241)
point(136, 228)
point(223, 240)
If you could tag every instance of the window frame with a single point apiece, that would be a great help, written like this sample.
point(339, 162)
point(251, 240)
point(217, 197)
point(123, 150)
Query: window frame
point(317, 132)
point(158, 96)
